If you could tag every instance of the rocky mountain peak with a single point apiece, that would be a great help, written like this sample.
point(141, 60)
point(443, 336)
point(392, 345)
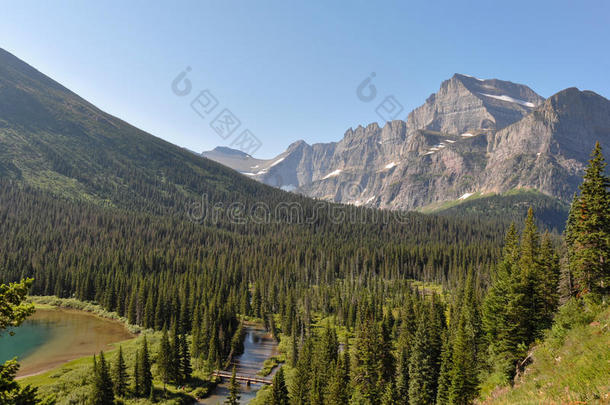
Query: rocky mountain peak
point(229, 152)
point(471, 136)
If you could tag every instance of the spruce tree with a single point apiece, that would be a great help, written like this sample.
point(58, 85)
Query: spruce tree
point(368, 361)
point(422, 365)
point(175, 364)
point(301, 382)
point(465, 365)
point(185, 360)
point(145, 365)
point(279, 392)
point(165, 359)
point(120, 375)
point(233, 398)
point(338, 392)
point(102, 393)
point(588, 231)
point(294, 346)
point(445, 375)
point(402, 376)
point(390, 394)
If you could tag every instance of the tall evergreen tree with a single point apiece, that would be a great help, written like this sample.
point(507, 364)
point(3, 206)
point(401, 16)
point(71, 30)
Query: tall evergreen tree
point(102, 393)
point(522, 298)
point(120, 375)
point(368, 361)
point(145, 366)
point(165, 359)
point(338, 391)
point(185, 360)
point(465, 364)
point(422, 365)
point(279, 392)
point(446, 372)
point(588, 230)
point(234, 397)
point(301, 382)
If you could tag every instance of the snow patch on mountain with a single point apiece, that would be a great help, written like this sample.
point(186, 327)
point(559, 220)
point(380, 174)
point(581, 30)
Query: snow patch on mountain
point(277, 161)
point(332, 174)
point(510, 99)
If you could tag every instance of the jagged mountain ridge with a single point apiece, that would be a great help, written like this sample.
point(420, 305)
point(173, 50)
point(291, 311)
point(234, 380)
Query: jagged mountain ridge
point(472, 136)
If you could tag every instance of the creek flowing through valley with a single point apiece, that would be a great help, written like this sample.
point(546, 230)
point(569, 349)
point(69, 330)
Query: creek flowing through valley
point(258, 346)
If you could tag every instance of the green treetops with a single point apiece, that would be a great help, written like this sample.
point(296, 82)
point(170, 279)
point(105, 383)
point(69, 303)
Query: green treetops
point(588, 229)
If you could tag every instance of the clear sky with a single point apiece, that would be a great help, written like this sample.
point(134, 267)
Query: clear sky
point(289, 70)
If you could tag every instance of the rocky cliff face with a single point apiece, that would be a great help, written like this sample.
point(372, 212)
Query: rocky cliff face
point(471, 136)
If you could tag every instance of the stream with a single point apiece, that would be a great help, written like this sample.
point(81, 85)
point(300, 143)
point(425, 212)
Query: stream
point(258, 346)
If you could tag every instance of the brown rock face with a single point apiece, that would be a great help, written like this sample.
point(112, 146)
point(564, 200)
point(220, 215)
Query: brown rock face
point(471, 136)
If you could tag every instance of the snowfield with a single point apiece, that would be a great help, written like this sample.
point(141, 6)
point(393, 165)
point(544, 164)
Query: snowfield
point(276, 162)
point(332, 174)
point(510, 100)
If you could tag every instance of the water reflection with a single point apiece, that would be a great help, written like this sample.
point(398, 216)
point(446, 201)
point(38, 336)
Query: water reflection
point(258, 346)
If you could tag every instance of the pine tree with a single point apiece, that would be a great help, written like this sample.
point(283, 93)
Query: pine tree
point(338, 393)
point(102, 393)
point(185, 360)
point(390, 394)
point(165, 359)
point(444, 378)
point(294, 346)
point(233, 398)
point(301, 382)
point(421, 365)
point(368, 361)
point(402, 375)
point(175, 369)
point(528, 286)
point(279, 392)
point(197, 334)
point(507, 307)
point(464, 367)
point(588, 231)
point(145, 365)
point(120, 375)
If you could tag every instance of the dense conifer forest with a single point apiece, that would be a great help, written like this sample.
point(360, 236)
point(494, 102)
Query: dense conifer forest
point(499, 288)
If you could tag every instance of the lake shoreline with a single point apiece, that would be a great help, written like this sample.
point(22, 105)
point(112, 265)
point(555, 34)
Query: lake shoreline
point(67, 334)
point(51, 301)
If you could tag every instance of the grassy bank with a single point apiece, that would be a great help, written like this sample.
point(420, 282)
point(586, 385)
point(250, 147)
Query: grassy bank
point(72, 303)
point(71, 382)
point(572, 364)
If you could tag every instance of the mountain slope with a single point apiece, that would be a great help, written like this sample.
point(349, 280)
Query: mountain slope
point(55, 140)
point(472, 136)
point(570, 366)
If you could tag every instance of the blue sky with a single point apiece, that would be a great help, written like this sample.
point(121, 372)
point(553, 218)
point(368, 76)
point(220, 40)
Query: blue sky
point(290, 70)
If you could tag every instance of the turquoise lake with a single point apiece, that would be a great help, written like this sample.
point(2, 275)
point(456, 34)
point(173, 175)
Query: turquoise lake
point(51, 337)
